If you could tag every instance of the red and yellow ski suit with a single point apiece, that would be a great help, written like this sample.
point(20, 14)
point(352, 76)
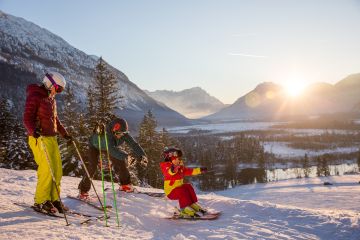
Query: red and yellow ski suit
point(174, 186)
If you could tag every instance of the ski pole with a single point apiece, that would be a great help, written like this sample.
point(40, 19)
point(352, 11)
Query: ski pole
point(102, 174)
point(111, 177)
point(87, 173)
point(53, 178)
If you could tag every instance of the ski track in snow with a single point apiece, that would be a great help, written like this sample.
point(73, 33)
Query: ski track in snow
point(262, 216)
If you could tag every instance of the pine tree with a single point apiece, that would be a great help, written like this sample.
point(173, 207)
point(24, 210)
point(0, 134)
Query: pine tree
point(105, 92)
point(358, 160)
point(306, 166)
point(14, 151)
point(4, 128)
point(325, 166)
point(151, 142)
point(91, 114)
point(71, 117)
point(318, 166)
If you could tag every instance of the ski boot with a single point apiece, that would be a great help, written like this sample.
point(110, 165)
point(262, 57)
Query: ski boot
point(126, 188)
point(45, 207)
point(60, 206)
point(84, 196)
point(188, 212)
point(198, 208)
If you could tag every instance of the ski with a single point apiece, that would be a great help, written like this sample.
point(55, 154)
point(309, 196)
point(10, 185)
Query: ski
point(206, 216)
point(24, 205)
point(87, 218)
point(94, 205)
point(151, 194)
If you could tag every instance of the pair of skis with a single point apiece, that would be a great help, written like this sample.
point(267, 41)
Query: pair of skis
point(210, 215)
point(100, 128)
point(199, 216)
point(86, 217)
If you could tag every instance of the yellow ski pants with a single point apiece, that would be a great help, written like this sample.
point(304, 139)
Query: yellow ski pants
point(45, 188)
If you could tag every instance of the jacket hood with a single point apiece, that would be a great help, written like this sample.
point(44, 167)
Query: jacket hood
point(36, 89)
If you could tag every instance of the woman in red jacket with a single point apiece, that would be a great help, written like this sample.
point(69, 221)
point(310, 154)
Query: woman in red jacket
point(174, 171)
point(42, 124)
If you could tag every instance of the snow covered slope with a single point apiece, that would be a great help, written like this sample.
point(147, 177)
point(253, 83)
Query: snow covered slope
point(295, 209)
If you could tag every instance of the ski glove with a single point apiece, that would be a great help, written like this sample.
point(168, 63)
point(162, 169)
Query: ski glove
point(69, 140)
point(68, 137)
point(144, 161)
point(203, 169)
point(37, 133)
point(175, 168)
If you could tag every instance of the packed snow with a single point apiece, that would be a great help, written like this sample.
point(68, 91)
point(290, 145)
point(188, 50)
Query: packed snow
point(291, 209)
point(283, 150)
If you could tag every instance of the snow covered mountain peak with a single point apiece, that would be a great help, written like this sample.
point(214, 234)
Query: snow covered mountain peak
point(35, 50)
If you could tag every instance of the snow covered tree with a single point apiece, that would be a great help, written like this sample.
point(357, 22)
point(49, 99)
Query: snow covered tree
point(5, 118)
point(14, 151)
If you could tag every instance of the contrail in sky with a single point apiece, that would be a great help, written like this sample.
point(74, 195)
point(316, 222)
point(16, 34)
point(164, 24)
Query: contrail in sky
point(247, 55)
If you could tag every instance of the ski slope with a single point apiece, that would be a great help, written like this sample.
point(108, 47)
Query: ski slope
point(292, 209)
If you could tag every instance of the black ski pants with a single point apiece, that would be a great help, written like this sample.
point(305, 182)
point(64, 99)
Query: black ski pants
point(92, 161)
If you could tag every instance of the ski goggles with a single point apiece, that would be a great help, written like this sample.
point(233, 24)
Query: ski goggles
point(173, 154)
point(58, 88)
point(119, 133)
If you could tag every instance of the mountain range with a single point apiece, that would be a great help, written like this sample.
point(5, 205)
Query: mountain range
point(193, 103)
point(270, 101)
point(27, 51)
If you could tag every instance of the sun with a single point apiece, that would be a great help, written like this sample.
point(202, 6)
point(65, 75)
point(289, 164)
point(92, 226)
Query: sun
point(294, 87)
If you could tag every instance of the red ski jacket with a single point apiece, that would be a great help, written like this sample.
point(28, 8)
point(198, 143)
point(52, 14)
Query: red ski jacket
point(40, 112)
point(174, 180)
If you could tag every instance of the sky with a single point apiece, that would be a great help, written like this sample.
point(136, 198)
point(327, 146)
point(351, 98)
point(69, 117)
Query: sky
point(226, 47)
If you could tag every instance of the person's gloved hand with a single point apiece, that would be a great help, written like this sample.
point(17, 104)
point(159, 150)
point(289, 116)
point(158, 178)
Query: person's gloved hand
point(68, 137)
point(69, 140)
point(144, 161)
point(175, 168)
point(37, 133)
point(203, 169)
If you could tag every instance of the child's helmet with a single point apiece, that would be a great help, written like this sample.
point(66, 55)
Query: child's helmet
point(171, 153)
point(118, 126)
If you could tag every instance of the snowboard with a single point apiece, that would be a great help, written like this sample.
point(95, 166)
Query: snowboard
point(90, 203)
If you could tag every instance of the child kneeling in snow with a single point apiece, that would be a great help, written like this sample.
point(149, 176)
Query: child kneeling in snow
point(174, 171)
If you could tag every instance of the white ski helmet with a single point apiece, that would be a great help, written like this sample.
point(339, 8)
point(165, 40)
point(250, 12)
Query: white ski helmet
point(54, 79)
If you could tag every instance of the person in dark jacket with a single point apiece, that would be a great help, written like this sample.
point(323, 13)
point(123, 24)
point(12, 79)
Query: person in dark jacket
point(42, 124)
point(117, 134)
